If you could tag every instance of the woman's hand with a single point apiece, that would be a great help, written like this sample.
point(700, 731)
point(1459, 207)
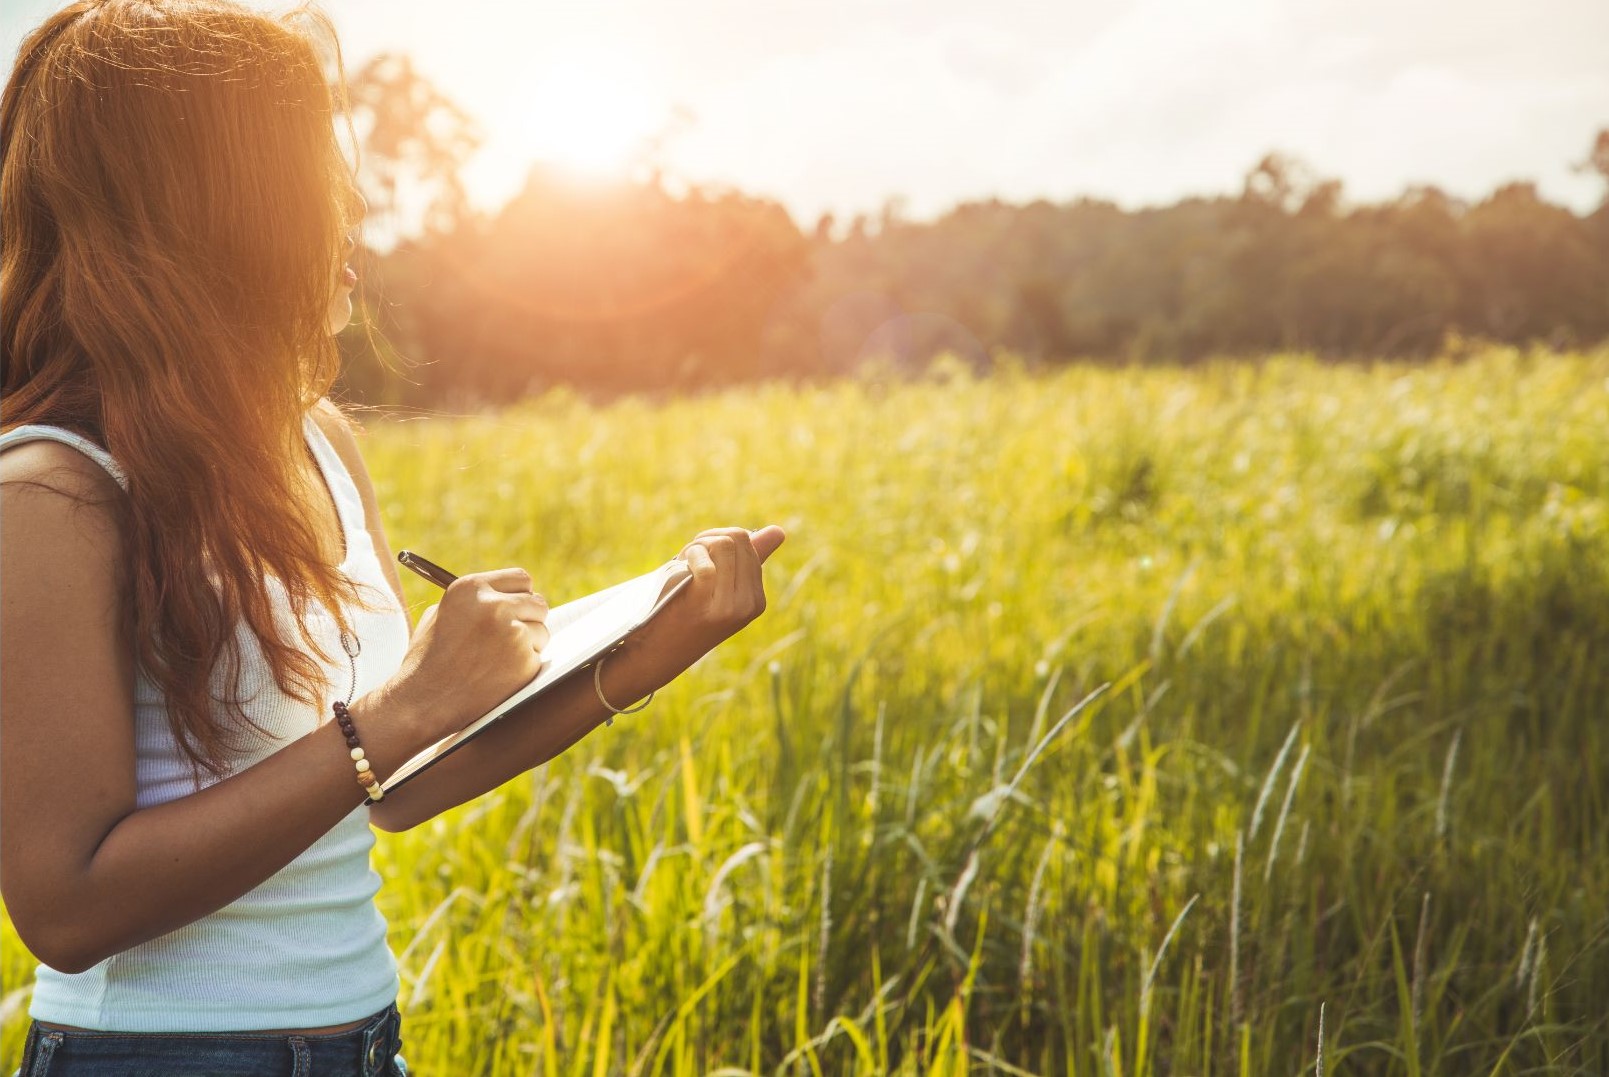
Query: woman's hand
point(476, 647)
point(726, 592)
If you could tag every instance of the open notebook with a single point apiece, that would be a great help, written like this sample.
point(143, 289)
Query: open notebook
point(580, 632)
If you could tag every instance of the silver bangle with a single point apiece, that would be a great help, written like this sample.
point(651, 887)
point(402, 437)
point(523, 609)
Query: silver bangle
point(597, 683)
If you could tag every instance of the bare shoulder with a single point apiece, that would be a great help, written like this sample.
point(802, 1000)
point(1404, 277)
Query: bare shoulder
point(46, 485)
point(57, 510)
point(58, 467)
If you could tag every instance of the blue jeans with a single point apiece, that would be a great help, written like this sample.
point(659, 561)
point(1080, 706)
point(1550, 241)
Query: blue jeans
point(370, 1050)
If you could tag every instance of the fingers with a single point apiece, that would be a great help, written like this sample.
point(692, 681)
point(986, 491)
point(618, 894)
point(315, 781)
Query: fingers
point(537, 631)
point(502, 596)
point(766, 540)
point(736, 553)
point(718, 550)
point(527, 606)
point(725, 563)
point(728, 558)
point(507, 579)
point(505, 587)
point(698, 559)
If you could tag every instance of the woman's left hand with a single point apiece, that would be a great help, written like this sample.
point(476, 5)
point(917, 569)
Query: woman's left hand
point(727, 591)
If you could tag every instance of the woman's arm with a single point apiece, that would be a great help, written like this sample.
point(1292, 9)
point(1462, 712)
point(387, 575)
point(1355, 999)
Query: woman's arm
point(537, 730)
point(84, 871)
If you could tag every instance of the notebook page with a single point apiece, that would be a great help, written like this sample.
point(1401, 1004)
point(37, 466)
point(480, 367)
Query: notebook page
point(598, 619)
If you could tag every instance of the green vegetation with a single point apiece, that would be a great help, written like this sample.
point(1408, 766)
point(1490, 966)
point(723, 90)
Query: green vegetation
point(1314, 660)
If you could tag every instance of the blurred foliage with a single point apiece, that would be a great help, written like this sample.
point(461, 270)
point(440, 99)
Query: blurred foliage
point(610, 288)
point(1352, 755)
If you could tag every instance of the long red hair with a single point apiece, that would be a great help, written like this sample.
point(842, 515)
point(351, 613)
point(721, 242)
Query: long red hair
point(174, 204)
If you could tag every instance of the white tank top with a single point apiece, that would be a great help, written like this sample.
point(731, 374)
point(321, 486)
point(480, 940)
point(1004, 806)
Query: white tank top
point(306, 948)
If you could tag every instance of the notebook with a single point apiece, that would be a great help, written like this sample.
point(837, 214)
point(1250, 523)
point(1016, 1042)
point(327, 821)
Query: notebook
point(580, 632)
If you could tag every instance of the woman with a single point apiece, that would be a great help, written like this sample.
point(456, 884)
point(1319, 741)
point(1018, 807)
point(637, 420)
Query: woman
point(184, 846)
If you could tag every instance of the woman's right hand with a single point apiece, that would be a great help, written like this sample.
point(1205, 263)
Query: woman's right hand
point(470, 651)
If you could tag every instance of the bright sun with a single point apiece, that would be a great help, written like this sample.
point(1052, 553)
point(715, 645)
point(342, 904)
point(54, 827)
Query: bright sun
point(587, 113)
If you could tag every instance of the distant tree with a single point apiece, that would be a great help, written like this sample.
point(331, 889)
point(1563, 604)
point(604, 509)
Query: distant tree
point(1597, 162)
point(612, 288)
point(1280, 181)
point(414, 136)
point(892, 212)
point(653, 150)
point(1538, 274)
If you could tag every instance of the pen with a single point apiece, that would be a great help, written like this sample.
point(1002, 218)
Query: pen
point(430, 571)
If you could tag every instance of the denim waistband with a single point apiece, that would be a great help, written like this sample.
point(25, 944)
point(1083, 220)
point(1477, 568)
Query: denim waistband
point(370, 1050)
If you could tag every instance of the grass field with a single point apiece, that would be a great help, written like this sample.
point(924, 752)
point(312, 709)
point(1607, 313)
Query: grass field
point(1101, 722)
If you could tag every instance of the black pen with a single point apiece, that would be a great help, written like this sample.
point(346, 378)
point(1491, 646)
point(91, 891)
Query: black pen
point(430, 571)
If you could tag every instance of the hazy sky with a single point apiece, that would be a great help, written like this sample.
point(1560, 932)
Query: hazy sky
point(839, 104)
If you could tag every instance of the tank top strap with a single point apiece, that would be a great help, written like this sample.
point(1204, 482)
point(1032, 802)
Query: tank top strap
point(343, 488)
point(37, 431)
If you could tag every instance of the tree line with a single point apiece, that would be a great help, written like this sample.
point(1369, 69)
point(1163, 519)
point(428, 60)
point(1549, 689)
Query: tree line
point(629, 287)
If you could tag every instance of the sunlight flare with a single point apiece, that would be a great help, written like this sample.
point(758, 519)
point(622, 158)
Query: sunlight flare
point(589, 113)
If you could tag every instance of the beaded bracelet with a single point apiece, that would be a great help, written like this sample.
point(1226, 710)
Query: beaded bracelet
point(597, 683)
point(365, 774)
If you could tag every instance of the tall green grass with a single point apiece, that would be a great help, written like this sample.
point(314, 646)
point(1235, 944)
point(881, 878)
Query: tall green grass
point(1107, 722)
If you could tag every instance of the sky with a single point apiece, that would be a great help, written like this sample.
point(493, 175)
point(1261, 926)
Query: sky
point(841, 105)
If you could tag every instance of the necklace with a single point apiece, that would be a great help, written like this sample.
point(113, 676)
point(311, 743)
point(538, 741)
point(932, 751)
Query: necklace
point(352, 650)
